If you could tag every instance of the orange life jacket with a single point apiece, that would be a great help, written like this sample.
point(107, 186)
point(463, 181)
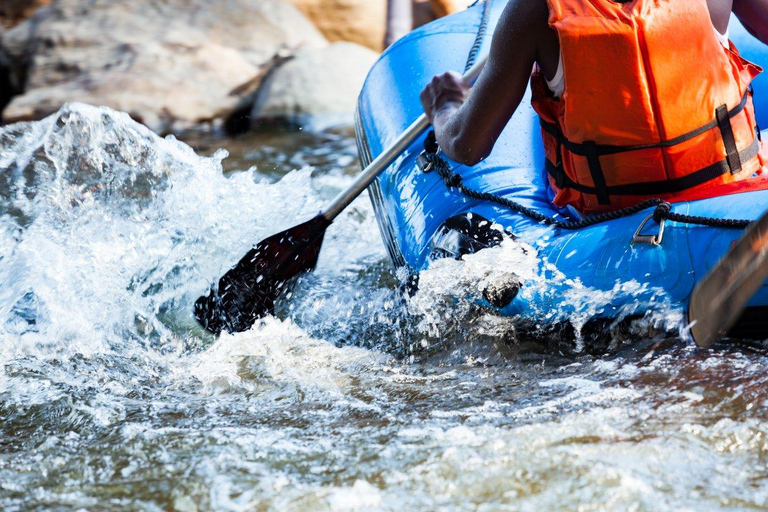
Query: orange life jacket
point(654, 106)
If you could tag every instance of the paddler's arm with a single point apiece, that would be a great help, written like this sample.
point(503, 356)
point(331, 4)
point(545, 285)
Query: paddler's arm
point(467, 124)
point(753, 14)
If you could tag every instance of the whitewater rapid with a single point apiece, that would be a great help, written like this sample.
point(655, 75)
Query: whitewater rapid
point(354, 397)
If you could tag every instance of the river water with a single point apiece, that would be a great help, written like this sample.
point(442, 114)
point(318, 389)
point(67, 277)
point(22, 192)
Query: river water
point(353, 397)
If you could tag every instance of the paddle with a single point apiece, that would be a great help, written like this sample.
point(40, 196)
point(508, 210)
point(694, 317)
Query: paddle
point(249, 290)
point(719, 299)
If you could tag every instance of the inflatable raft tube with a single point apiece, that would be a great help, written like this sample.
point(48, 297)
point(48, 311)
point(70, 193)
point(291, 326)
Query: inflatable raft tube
point(415, 209)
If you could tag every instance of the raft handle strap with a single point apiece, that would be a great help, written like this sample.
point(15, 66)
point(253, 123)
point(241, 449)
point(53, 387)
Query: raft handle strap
point(639, 238)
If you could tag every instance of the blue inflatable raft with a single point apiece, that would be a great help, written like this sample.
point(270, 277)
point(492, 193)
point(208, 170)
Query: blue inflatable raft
point(414, 208)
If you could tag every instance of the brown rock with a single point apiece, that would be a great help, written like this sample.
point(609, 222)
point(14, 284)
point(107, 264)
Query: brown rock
point(445, 7)
point(422, 12)
point(358, 21)
point(13, 12)
point(170, 64)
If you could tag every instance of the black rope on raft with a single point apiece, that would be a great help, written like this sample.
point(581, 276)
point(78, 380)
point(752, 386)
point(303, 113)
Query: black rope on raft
point(663, 209)
point(480, 37)
point(707, 221)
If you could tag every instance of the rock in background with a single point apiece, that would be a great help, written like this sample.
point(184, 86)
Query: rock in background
point(171, 65)
point(425, 11)
point(358, 21)
point(317, 88)
point(180, 64)
point(13, 12)
point(422, 13)
point(364, 21)
point(445, 7)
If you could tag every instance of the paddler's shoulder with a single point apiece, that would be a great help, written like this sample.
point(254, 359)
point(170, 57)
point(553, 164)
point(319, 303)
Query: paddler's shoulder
point(529, 20)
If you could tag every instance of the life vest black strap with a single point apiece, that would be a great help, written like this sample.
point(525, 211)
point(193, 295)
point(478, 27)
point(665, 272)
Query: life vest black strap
point(655, 188)
point(729, 141)
point(598, 178)
point(607, 149)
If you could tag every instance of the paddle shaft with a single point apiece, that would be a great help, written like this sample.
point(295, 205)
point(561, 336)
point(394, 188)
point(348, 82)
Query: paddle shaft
point(385, 159)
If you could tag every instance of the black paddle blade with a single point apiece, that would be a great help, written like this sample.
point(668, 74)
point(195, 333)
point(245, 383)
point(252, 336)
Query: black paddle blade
point(249, 290)
point(719, 299)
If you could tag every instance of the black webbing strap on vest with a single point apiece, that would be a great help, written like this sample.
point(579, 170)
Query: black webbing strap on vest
point(726, 130)
point(663, 209)
point(608, 149)
point(592, 152)
point(651, 188)
point(598, 177)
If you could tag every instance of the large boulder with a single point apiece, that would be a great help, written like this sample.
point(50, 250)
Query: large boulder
point(171, 64)
point(358, 21)
point(317, 88)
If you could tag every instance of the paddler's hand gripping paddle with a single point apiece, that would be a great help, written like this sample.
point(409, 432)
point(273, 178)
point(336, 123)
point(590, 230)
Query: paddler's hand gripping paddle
point(249, 290)
point(719, 299)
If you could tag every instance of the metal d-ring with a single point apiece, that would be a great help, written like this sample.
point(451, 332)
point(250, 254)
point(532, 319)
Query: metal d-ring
point(656, 239)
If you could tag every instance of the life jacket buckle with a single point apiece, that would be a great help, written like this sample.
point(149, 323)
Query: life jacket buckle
point(656, 239)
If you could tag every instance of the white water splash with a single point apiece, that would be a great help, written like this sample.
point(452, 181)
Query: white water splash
point(110, 232)
point(110, 393)
point(453, 289)
point(278, 357)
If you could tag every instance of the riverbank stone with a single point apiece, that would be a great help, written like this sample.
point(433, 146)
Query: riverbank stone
point(358, 21)
point(316, 89)
point(171, 65)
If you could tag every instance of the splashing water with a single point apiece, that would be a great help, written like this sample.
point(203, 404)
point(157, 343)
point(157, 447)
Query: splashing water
point(111, 397)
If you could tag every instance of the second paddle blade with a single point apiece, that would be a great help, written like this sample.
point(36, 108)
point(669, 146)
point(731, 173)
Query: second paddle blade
point(249, 290)
point(719, 299)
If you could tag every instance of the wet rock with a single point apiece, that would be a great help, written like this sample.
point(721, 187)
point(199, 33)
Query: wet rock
point(502, 291)
point(170, 65)
point(317, 88)
point(357, 21)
